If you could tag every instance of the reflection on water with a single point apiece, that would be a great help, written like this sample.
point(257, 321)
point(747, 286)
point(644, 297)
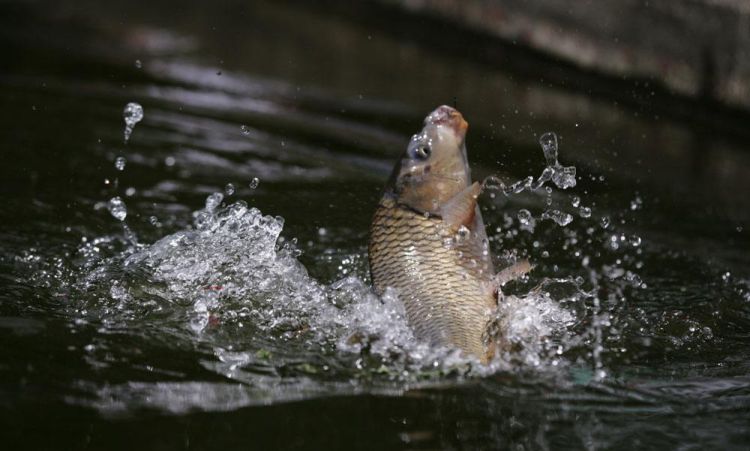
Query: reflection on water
point(144, 298)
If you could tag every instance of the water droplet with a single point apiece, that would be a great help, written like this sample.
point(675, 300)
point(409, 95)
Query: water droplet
point(169, 161)
point(584, 212)
point(548, 142)
point(560, 217)
point(117, 208)
point(636, 203)
point(138, 64)
point(322, 231)
point(524, 216)
point(130, 191)
point(635, 240)
point(564, 177)
point(463, 233)
point(254, 182)
point(132, 114)
point(213, 201)
point(545, 254)
point(245, 130)
point(229, 189)
point(120, 163)
point(575, 201)
point(493, 183)
point(604, 222)
point(153, 220)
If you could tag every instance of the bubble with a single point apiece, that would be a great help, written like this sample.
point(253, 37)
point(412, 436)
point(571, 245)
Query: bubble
point(117, 208)
point(120, 163)
point(229, 189)
point(524, 216)
point(584, 212)
point(254, 182)
point(132, 114)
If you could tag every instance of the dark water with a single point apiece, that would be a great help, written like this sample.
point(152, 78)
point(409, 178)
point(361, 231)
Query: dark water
point(186, 327)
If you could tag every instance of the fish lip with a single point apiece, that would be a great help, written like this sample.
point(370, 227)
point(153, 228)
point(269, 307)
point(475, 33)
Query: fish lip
point(448, 116)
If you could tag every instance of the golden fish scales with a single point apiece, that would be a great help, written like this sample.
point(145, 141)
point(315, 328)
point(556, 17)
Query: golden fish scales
point(443, 278)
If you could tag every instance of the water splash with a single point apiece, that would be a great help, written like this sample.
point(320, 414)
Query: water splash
point(132, 114)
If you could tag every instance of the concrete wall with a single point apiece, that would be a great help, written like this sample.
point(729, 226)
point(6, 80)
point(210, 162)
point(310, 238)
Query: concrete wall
point(697, 48)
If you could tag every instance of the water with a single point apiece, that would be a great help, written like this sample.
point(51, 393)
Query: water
point(132, 114)
point(149, 304)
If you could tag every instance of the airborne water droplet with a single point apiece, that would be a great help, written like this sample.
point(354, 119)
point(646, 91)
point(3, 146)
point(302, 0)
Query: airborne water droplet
point(245, 130)
point(549, 146)
point(229, 189)
point(584, 212)
point(117, 208)
point(132, 114)
point(524, 216)
point(213, 201)
point(254, 182)
point(120, 163)
point(604, 222)
point(576, 201)
point(560, 217)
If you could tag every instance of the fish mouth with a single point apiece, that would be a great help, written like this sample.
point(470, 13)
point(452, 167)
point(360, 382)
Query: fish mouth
point(447, 116)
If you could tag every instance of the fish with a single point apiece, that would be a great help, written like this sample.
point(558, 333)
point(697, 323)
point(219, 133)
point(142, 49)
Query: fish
point(428, 241)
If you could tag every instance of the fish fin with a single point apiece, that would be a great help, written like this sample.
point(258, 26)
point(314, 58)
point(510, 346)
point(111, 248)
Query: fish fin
point(460, 210)
point(512, 272)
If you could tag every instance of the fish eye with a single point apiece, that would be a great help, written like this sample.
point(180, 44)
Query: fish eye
point(421, 152)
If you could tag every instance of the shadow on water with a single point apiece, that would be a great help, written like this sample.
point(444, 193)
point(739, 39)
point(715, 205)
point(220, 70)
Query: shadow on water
point(193, 327)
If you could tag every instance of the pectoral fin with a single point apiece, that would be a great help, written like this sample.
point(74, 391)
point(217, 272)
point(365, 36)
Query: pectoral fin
point(512, 272)
point(461, 209)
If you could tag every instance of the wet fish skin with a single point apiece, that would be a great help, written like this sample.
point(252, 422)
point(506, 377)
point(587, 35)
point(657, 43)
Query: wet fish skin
point(427, 240)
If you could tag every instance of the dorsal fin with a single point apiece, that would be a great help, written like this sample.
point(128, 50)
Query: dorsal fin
point(461, 208)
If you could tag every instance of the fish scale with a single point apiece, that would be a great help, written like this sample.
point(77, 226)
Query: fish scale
point(445, 295)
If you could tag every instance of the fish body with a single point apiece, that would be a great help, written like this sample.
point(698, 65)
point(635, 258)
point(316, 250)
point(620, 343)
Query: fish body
point(428, 242)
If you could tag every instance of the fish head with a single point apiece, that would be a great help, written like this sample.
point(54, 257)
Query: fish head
point(434, 167)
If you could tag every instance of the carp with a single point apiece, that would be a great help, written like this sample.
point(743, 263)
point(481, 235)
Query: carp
point(428, 241)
